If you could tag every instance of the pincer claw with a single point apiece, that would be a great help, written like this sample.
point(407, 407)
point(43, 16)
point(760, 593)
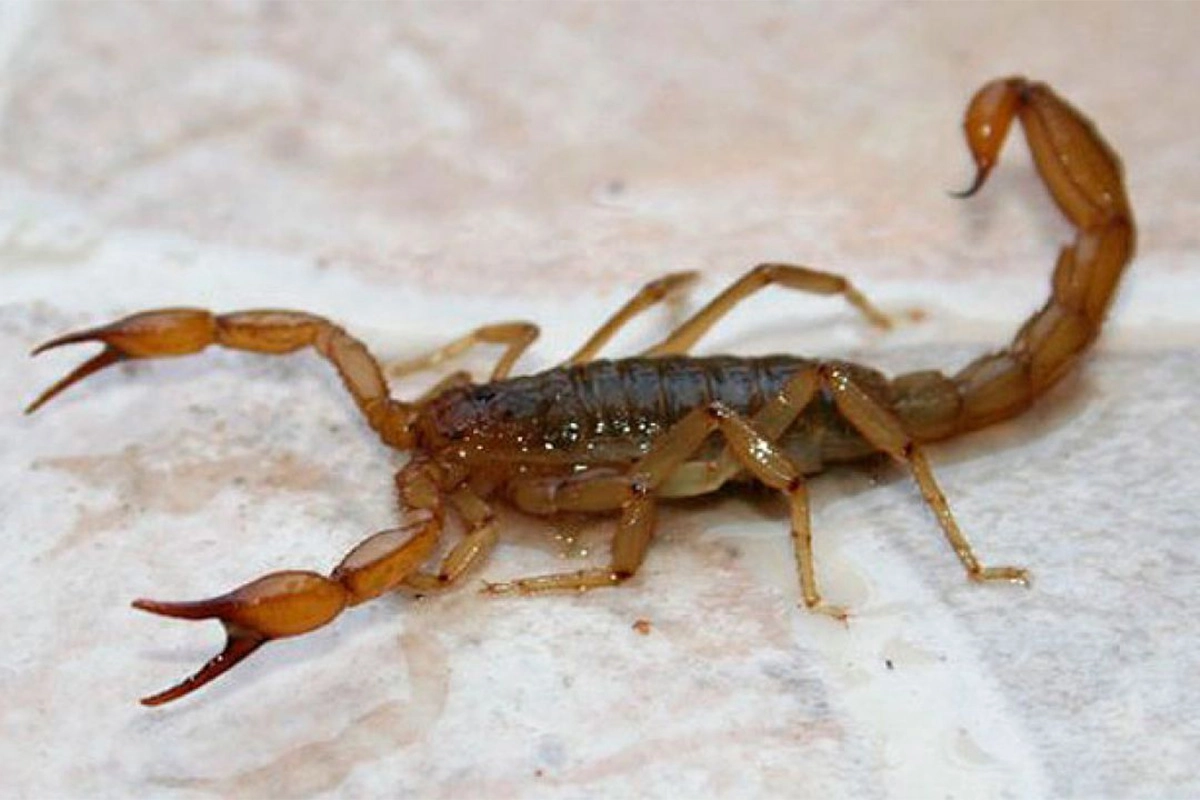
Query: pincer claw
point(151, 334)
point(105, 358)
point(273, 607)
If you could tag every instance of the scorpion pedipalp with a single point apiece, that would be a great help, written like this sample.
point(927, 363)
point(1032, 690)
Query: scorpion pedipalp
point(272, 607)
point(168, 332)
point(293, 602)
point(105, 358)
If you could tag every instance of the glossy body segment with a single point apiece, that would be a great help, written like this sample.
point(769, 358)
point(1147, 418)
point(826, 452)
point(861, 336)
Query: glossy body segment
point(609, 412)
point(622, 436)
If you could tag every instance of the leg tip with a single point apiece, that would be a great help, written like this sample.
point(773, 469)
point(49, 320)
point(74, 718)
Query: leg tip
point(838, 613)
point(1018, 575)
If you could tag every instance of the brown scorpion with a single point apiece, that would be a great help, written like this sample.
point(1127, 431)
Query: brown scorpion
point(597, 436)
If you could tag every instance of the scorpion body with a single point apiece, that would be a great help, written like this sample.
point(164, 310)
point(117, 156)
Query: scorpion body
point(608, 413)
point(619, 436)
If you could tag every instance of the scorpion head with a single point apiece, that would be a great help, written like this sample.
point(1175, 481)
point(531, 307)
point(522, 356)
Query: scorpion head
point(478, 411)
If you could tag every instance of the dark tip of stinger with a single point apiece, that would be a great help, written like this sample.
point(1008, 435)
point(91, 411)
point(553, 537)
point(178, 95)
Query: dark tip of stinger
point(981, 176)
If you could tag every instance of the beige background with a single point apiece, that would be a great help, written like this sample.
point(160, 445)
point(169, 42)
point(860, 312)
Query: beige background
point(412, 170)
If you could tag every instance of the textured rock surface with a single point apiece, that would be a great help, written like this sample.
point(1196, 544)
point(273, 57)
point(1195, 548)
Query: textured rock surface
point(414, 170)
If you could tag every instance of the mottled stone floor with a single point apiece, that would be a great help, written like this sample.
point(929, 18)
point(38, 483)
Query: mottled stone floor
point(413, 170)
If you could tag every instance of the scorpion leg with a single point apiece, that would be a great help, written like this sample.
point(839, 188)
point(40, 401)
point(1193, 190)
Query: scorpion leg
point(879, 426)
point(634, 493)
point(458, 378)
point(184, 331)
point(609, 492)
point(652, 293)
point(696, 478)
point(518, 336)
point(515, 336)
point(294, 602)
point(790, 276)
point(475, 546)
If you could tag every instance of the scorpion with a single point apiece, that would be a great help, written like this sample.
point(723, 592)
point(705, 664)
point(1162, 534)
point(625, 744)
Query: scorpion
point(619, 436)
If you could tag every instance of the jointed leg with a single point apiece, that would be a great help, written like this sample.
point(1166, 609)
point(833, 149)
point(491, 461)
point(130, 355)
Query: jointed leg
point(649, 295)
point(183, 331)
point(696, 478)
point(792, 277)
point(477, 543)
point(458, 378)
point(515, 336)
point(881, 428)
point(294, 602)
point(634, 531)
point(634, 494)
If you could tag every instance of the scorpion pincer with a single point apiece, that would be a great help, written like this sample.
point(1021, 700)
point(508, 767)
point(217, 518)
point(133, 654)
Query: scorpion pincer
point(621, 436)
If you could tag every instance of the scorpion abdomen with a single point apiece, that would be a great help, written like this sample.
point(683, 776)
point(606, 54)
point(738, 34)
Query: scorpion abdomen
point(612, 410)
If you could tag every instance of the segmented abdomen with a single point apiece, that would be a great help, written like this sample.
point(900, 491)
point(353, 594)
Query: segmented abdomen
point(615, 409)
point(642, 395)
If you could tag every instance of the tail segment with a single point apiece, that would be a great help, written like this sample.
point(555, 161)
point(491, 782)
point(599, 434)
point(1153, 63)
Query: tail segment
point(1083, 175)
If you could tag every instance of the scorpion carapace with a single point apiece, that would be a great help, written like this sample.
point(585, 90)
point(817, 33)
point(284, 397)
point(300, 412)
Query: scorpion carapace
point(620, 436)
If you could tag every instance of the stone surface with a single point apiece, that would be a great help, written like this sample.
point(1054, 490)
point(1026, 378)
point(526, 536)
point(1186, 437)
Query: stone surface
point(413, 170)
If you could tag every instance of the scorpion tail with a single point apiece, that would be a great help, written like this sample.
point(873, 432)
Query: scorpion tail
point(1083, 175)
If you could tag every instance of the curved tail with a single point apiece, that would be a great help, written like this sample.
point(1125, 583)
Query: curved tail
point(1084, 177)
